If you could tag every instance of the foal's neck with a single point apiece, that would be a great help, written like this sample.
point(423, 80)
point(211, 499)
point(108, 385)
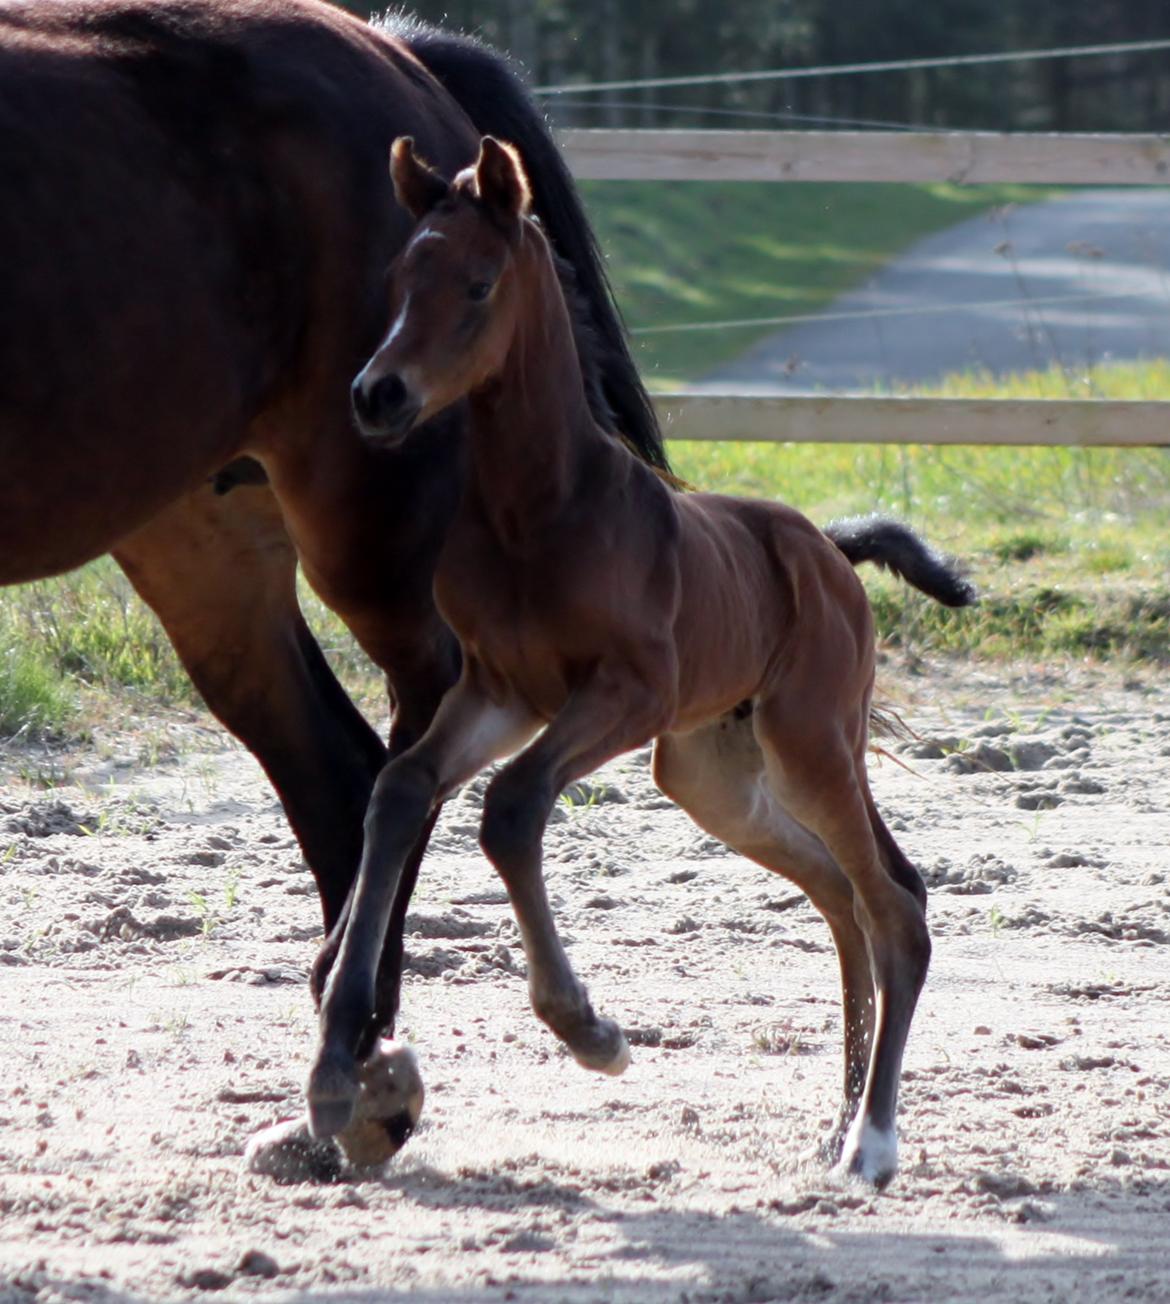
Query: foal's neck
point(532, 422)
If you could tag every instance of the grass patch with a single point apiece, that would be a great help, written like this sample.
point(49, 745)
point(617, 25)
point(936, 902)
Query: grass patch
point(86, 630)
point(1069, 546)
point(682, 252)
point(34, 701)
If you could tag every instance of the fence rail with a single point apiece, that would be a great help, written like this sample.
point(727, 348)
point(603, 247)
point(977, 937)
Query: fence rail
point(967, 157)
point(817, 419)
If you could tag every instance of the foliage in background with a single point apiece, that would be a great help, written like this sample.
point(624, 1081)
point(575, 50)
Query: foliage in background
point(575, 41)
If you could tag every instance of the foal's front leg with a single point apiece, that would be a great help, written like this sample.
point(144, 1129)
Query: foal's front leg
point(603, 719)
point(470, 730)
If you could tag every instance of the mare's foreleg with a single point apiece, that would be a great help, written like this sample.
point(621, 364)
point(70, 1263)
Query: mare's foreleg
point(220, 573)
point(469, 731)
point(602, 719)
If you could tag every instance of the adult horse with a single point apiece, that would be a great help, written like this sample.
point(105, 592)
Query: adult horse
point(195, 224)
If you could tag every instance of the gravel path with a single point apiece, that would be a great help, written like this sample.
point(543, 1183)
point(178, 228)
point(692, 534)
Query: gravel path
point(1074, 280)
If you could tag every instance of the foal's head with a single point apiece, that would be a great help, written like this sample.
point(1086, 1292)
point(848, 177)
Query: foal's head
point(455, 289)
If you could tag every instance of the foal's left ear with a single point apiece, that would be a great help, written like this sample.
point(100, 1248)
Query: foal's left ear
point(417, 187)
point(501, 180)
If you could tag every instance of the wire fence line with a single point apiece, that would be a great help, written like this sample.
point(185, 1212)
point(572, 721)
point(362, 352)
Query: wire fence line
point(865, 314)
point(853, 69)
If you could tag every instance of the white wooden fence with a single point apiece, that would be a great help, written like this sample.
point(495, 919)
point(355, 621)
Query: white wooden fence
point(965, 157)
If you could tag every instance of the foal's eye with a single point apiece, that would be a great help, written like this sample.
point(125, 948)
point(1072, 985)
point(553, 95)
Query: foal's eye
point(478, 291)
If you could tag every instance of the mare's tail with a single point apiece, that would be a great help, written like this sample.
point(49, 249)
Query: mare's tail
point(895, 547)
point(498, 103)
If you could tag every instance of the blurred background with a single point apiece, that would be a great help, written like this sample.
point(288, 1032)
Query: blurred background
point(562, 42)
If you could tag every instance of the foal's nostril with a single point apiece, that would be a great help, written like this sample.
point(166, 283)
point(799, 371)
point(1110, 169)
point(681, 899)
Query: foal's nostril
point(388, 395)
point(382, 406)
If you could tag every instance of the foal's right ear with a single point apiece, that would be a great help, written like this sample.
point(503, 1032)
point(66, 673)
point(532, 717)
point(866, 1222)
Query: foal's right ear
point(417, 187)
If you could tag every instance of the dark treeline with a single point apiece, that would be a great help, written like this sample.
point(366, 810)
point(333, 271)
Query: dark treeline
point(570, 41)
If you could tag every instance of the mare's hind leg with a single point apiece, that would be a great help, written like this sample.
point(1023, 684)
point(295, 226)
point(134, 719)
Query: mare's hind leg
point(602, 719)
point(717, 775)
point(220, 573)
point(814, 752)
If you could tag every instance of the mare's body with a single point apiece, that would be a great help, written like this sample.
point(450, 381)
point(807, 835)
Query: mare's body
point(597, 610)
point(196, 223)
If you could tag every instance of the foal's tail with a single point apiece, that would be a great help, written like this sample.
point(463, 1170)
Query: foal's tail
point(895, 547)
point(499, 104)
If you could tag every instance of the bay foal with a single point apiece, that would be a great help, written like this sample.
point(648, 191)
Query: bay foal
point(598, 610)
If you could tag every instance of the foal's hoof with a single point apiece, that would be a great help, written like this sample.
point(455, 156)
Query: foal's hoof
point(604, 1050)
point(331, 1095)
point(870, 1154)
point(387, 1109)
point(289, 1153)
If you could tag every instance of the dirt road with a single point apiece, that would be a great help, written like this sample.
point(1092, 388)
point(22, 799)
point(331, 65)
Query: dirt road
point(1071, 281)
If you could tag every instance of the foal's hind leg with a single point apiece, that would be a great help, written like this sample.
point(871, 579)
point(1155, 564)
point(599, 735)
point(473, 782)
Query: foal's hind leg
point(717, 775)
point(814, 752)
point(601, 720)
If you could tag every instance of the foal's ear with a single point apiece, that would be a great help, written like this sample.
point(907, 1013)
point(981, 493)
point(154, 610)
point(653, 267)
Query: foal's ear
point(501, 180)
point(417, 187)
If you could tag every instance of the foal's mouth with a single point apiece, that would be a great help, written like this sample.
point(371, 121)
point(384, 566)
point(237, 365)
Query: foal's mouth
point(385, 412)
point(387, 433)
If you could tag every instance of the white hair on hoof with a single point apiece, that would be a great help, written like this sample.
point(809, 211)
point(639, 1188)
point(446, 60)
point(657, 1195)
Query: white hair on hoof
point(620, 1062)
point(871, 1153)
point(388, 1108)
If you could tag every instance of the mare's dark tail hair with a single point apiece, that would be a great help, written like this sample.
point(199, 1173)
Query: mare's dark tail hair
point(895, 547)
point(499, 104)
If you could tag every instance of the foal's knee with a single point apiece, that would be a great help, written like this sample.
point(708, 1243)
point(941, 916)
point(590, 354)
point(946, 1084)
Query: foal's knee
point(514, 816)
point(401, 801)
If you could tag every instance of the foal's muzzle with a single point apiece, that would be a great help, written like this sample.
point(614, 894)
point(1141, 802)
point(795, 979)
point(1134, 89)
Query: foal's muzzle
point(384, 410)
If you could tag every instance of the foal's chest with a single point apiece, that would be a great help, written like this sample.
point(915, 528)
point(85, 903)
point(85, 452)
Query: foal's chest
point(513, 614)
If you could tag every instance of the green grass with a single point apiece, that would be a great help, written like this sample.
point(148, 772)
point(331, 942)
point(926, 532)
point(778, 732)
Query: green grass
point(1070, 546)
point(697, 251)
point(85, 631)
point(77, 648)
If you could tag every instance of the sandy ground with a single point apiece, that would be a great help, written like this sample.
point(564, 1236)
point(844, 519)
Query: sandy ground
point(156, 926)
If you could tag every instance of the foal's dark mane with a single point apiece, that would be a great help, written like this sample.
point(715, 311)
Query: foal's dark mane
point(493, 95)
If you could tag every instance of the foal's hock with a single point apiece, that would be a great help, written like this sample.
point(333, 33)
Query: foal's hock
point(733, 633)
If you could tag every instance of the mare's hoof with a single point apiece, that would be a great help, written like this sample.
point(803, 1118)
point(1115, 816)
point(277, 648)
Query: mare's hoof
point(605, 1050)
point(870, 1154)
point(331, 1095)
point(387, 1109)
point(289, 1153)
